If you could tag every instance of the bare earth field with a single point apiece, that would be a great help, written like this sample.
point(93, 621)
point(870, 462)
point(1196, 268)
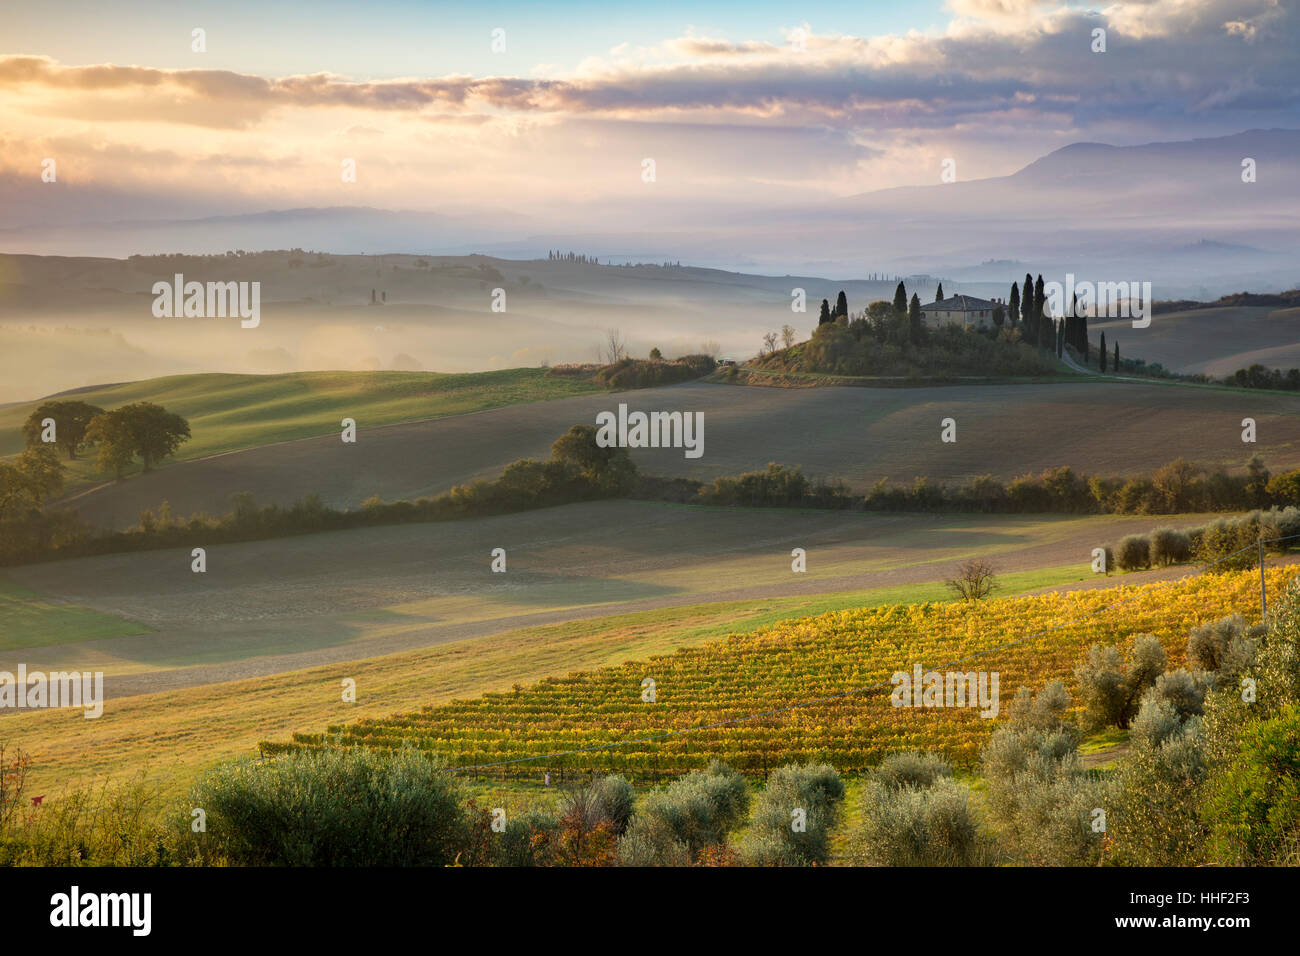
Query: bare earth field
point(857, 434)
point(1212, 341)
point(271, 606)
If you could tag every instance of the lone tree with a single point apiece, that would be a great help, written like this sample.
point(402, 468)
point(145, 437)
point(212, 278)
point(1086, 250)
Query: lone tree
point(938, 293)
point(71, 419)
point(973, 581)
point(842, 305)
point(143, 429)
point(1114, 365)
point(900, 299)
point(1102, 351)
point(614, 349)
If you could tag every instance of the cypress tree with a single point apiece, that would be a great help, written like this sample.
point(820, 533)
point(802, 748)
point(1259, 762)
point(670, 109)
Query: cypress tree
point(1103, 352)
point(938, 293)
point(1115, 364)
point(1060, 338)
point(842, 305)
point(1027, 300)
point(900, 299)
point(1083, 336)
point(826, 313)
point(1014, 303)
point(914, 319)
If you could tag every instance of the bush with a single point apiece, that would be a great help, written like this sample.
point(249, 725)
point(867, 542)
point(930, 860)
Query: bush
point(1134, 553)
point(919, 826)
point(1156, 796)
point(1208, 644)
point(1111, 693)
point(816, 791)
point(1183, 690)
point(524, 839)
point(1156, 722)
point(1044, 711)
point(1054, 811)
point(1039, 800)
point(1253, 807)
point(332, 807)
point(114, 825)
point(1170, 546)
point(911, 769)
point(606, 800)
point(1102, 687)
point(696, 811)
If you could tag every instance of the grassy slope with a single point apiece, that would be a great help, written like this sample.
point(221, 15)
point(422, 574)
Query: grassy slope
point(170, 736)
point(231, 412)
point(29, 620)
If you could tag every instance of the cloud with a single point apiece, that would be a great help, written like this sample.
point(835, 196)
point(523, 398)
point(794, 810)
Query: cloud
point(1163, 55)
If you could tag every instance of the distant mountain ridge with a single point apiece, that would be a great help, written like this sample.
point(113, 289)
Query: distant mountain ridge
point(1177, 213)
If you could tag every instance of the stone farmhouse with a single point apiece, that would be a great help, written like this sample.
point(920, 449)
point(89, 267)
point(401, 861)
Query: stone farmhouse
point(964, 310)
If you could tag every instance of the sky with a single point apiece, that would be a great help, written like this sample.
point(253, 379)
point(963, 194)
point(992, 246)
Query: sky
point(748, 104)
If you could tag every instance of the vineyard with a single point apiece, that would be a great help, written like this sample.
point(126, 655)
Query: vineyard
point(752, 682)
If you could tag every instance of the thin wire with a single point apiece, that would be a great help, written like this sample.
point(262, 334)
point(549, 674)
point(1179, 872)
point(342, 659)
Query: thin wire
point(860, 690)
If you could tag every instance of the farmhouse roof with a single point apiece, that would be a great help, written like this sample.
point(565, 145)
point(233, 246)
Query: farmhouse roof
point(960, 303)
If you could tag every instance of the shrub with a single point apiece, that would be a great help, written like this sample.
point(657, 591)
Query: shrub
point(1183, 690)
point(1101, 687)
point(114, 825)
point(1054, 811)
point(1111, 693)
point(1134, 553)
point(1155, 798)
point(1156, 722)
point(606, 800)
point(1208, 644)
point(1039, 800)
point(911, 769)
point(1043, 711)
point(1170, 546)
point(815, 792)
point(919, 826)
point(331, 807)
point(695, 811)
point(1253, 806)
point(524, 839)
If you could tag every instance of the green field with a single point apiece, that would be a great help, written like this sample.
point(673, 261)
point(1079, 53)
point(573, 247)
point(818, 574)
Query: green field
point(231, 412)
point(28, 619)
